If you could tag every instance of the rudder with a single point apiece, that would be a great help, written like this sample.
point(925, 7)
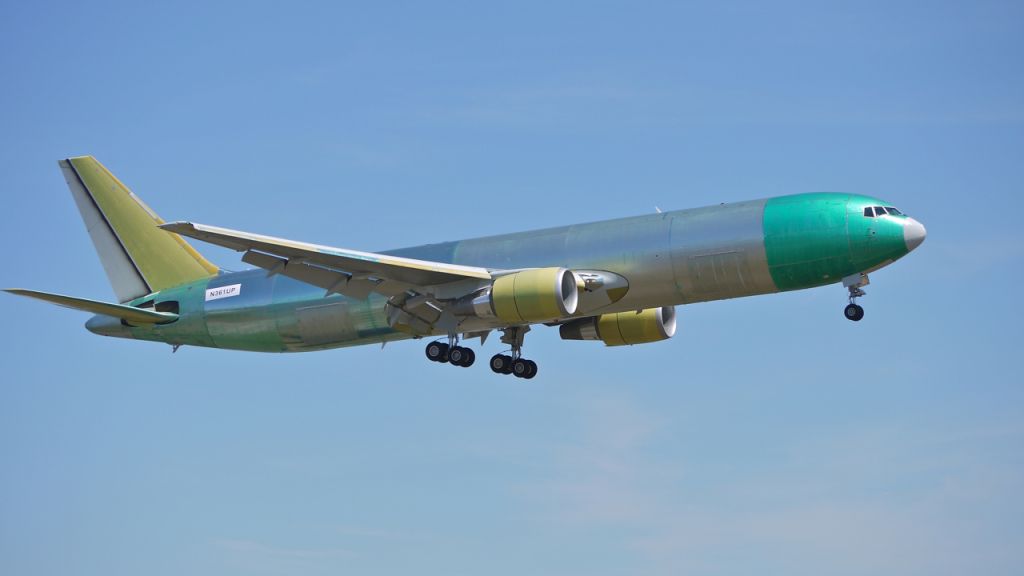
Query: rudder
point(138, 257)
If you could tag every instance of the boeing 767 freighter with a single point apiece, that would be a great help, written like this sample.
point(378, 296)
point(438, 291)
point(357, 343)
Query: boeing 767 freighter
point(617, 281)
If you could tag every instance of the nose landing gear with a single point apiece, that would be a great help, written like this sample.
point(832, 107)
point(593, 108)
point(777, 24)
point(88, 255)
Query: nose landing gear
point(854, 311)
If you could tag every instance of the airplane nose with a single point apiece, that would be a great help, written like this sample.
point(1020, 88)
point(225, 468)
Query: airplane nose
point(913, 233)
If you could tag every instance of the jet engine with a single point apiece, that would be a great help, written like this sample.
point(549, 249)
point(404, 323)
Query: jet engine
point(537, 295)
point(650, 325)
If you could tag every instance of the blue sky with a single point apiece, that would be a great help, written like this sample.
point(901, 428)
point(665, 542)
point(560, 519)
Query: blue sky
point(770, 435)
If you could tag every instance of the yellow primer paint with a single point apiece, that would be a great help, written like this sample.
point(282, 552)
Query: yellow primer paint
point(163, 258)
point(630, 328)
point(528, 296)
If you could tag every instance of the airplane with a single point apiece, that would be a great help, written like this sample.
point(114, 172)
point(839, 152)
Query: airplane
point(616, 281)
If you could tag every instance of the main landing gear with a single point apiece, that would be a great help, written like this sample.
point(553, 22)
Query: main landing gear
point(854, 311)
point(451, 353)
point(518, 367)
point(514, 363)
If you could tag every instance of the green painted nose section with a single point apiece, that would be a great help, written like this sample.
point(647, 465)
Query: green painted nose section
point(820, 238)
point(805, 240)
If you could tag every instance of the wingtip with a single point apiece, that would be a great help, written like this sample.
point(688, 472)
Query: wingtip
point(176, 226)
point(29, 293)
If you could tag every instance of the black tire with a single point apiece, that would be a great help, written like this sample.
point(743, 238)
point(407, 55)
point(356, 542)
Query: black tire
point(520, 368)
point(853, 312)
point(457, 355)
point(470, 358)
point(437, 352)
point(532, 366)
point(500, 364)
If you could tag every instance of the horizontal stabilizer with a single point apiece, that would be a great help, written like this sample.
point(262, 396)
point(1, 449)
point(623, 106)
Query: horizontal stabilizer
point(127, 313)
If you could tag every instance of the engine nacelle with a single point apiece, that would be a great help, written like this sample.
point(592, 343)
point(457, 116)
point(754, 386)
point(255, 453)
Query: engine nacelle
point(538, 295)
point(650, 325)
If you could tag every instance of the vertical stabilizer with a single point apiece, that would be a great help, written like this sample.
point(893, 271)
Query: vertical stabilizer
point(139, 257)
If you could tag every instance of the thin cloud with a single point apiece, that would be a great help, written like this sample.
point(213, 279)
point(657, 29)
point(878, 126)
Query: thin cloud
point(605, 477)
point(868, 500)
point(258, 548)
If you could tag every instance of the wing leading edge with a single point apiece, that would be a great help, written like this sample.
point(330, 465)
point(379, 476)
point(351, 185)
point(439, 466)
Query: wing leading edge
point(348, 272)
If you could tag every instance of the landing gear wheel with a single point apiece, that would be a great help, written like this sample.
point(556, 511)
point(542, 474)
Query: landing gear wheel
point(460, 356)
point(501, 364)
point(853, 312)
point(520, 368)
point(854, 283)
point(437, 352)
point(531, 369)
point(456, 355)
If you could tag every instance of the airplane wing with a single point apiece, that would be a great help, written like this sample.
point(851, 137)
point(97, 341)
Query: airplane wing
point(348, 272)
point(127, 313)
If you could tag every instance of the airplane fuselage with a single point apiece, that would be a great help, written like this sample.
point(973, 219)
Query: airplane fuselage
point(682, 257)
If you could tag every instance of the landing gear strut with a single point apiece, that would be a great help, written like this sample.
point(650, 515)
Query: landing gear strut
point(514, 364)
point(853, 311)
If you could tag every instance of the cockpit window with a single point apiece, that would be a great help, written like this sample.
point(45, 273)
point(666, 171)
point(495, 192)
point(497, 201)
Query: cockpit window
point(873, 211)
